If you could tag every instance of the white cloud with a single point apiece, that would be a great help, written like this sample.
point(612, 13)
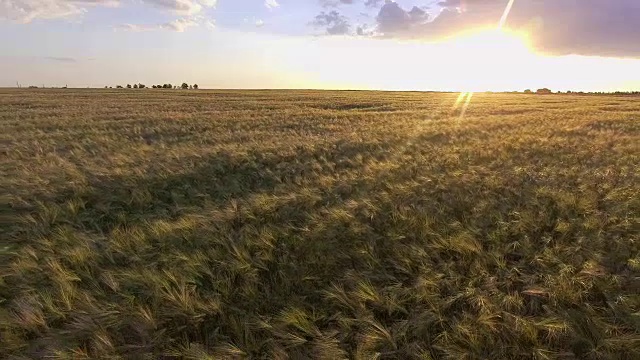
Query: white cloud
point(180, 7)
point(25, 11)
point(209, 3)
point(259, 23)
point(135, 27)
point(178, 25)
point(270, 4)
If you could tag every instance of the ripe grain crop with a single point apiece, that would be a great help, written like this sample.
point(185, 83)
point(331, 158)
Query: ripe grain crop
point(324, 225)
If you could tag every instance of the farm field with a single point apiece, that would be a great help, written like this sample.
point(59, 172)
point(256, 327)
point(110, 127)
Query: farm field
point(318, 225)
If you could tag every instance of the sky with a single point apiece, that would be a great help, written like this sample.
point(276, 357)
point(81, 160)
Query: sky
point(450, 45)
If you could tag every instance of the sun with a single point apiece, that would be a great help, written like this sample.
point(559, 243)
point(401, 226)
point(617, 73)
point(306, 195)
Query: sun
point(489, 43)
point(488, 59)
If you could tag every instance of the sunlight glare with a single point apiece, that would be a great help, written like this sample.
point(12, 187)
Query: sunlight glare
point(505, 15)
point(459, 100)
point(505, 44)
point(466, 105)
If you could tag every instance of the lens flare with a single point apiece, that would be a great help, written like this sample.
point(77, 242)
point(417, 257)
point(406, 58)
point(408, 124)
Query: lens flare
point(503, 21)
point(505, 15)
point(466, 105)
point(459, 100)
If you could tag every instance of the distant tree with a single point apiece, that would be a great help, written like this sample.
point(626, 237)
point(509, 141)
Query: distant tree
point(544, 91)
point(128, 86)
point(110, 87)
point(528, 91)
point(190, 87)
point(141, 86)
point(159, 86)
point(118, 86)
point(135, 86)
point(106, 87)
point(184, 86)
point(153, 86)
point(195, 86)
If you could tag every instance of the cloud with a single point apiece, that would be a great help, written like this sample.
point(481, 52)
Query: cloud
point(178, 25)
point(333, 22)
point(180, 7)
point(373, 3)
point(588, 27)
point(364, 30)
point(254, 21)
point(209, 3)
point(270, 4)
point(584, 27)
point(25, 11)
point(61, 59)
point(136, 27)
point(394, 19)
point(335, 3)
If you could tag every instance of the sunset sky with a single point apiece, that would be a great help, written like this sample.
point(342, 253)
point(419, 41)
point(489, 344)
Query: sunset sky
point(590, 45)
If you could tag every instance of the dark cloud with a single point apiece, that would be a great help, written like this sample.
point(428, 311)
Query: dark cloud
point(589, 27)
point(585, 27)
point(333, 22)
point(394, 19)
point(365, 30)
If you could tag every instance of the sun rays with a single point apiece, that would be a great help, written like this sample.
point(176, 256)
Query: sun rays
point(469, 95)
point(464, 100)
point(506, 13)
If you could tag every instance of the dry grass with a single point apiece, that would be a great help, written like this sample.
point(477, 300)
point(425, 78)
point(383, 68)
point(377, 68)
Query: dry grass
point(322, 225)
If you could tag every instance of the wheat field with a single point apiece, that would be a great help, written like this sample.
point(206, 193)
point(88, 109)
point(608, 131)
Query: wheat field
point(147, 224)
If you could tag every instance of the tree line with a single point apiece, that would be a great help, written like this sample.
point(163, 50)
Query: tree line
point(184, 86)
point(545, 91)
